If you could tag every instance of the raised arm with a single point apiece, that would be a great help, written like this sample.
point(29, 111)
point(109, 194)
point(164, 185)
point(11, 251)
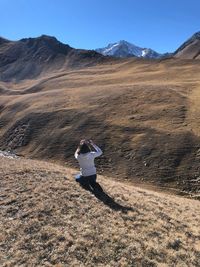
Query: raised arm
point(98, 152)
point(76, 153)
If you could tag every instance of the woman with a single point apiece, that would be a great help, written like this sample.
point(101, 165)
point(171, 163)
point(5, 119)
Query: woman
point(85, 156)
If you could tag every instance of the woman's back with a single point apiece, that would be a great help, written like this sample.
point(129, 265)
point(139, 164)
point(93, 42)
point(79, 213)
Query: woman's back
point(86, 161)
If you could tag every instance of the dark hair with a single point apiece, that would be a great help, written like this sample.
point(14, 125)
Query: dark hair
point(83, 149)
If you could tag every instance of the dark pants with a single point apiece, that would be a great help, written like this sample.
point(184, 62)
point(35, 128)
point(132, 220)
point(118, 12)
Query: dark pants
point(89, 182)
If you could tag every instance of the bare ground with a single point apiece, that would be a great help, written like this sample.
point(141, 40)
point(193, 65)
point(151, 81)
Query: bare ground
point(47, 219)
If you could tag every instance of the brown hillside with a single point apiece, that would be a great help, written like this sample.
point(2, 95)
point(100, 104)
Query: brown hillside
point(47, 219)
point(32, 57)
point(144, 115)
point(189, 49)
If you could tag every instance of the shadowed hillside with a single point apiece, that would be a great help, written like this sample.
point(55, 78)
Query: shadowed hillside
point(31, 57)
point(47, 219)
point(143, 114)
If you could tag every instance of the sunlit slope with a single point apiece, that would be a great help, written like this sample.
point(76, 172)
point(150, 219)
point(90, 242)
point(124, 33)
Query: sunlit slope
point(47, 219)
point(144, 115)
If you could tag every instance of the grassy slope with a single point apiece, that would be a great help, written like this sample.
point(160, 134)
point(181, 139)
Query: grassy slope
point(144, 114)
point(46, 219)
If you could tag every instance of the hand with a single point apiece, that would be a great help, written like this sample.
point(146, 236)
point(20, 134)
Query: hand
point(82, 141)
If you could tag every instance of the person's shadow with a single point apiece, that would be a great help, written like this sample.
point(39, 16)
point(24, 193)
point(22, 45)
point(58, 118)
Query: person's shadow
point(96, 189)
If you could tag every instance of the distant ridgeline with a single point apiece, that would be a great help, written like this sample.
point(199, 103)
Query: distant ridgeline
point(30, 57)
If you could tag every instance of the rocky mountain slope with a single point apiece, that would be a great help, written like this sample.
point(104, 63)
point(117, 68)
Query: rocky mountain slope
point(47, 219)
point(125, 49)
point(189, 49)
point(31, 57)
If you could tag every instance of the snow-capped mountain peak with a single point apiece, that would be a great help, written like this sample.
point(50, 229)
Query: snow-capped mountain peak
point(126, 49)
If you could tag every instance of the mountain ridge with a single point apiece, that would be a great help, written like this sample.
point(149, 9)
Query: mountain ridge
point(190, 49)
point(123, 48)
point(30, 57)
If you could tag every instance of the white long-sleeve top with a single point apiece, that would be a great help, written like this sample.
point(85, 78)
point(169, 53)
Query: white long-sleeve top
point(86, 161)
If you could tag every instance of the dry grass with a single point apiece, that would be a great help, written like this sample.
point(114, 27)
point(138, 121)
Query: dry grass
point(144, 114)
point(194, 111)
point(46, 219)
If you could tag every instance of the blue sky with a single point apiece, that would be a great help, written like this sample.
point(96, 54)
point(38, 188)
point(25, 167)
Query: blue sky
point(162, 25)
